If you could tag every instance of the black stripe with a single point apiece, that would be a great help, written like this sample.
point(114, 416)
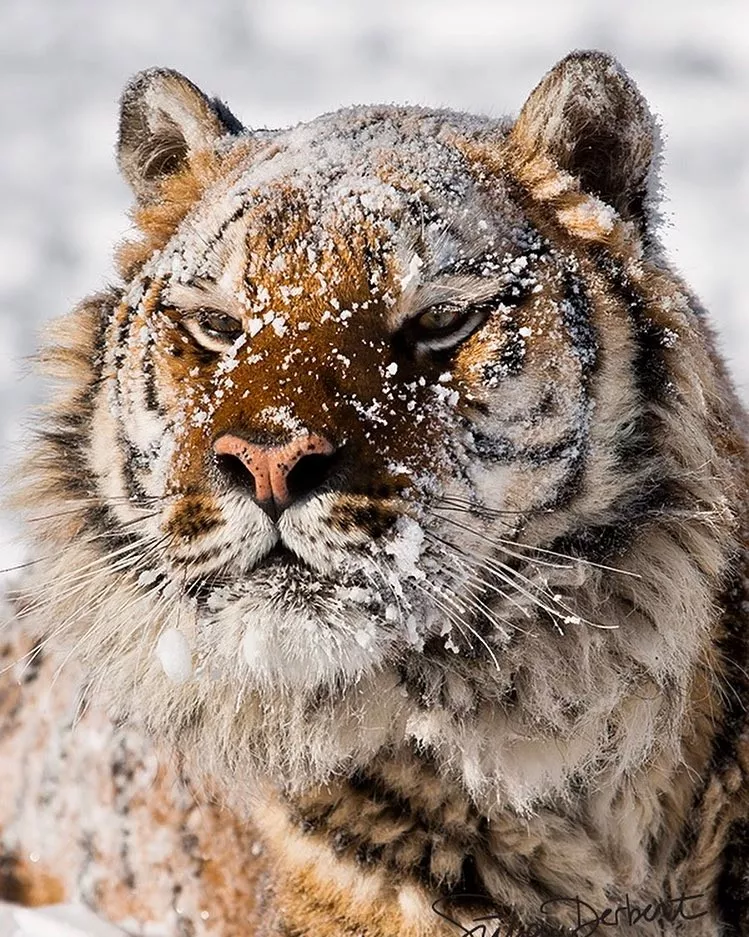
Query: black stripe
point(121, 338)
point(576, 313)
point(107, 304)
point(134, 460)
point(100, 520)
point(511, 357)
point(734, 651)
point(651, 373)
point(732, 893)
point(149, 379)
point(150, 396)
point(576, 316)
point(501, 451)
point(211, 243)
point(122, 335)
point(732, 897)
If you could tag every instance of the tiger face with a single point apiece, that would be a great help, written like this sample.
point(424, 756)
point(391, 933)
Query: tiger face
point(360, 447)
point(330, 362)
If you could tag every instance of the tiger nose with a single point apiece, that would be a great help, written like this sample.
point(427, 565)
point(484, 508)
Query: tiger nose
point(280, 474)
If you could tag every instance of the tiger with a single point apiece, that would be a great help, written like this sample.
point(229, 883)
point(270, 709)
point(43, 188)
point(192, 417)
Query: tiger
point(389, 531)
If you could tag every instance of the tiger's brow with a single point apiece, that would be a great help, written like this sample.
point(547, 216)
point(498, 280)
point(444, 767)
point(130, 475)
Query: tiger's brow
point(461, 289)
point(198, 294)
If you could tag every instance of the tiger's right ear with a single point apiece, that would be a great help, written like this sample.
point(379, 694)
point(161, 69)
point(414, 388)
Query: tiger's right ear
point(589, 117)
point(165, 120)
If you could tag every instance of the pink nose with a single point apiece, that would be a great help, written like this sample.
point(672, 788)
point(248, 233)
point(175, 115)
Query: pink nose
point(281, 474)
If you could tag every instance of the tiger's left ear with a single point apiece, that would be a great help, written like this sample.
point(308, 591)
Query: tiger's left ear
point(165, 121)
point(590, 118)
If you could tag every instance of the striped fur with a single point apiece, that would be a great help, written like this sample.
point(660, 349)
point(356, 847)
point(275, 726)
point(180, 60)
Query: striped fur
point(509, 660)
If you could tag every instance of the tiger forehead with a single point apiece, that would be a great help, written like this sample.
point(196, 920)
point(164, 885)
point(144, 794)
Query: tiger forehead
point(359, 149)
point(344, 171)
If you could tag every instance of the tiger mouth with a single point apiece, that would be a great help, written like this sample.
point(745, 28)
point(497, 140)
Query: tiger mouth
point(281, 557)
point(279, 560)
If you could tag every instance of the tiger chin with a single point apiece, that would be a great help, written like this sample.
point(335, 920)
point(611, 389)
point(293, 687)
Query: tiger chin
point(390, 526)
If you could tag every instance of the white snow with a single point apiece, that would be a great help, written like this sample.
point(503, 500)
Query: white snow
point(53, 921)
point(173, 652)
point(253, 646)
point(415, 264)
point(406, 547)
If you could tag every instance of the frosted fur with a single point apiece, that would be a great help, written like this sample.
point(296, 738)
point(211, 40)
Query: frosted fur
point(262, 661)
point(510, 591)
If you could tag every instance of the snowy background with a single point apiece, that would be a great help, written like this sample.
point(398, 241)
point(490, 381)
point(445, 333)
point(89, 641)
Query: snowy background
point(64, 62)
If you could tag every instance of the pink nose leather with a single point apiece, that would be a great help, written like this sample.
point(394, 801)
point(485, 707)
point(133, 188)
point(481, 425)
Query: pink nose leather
point(270, 465)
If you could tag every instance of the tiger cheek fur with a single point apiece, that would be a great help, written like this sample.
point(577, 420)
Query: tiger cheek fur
point(398, 492)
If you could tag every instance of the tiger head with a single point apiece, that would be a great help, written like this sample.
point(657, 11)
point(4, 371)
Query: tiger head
point(378, 439)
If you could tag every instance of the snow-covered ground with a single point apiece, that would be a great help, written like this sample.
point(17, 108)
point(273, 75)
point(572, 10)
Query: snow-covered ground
point(63, 64)
point(54, 921)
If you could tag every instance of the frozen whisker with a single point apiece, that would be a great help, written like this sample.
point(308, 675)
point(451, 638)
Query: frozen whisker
point(468, 567)
point(503, 543)
point(438, 595)
point(441, 601)
point(538, 593)
point(505, 594)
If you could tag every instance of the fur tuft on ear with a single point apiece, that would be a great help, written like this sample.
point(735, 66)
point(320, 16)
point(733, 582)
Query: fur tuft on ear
point(164, 121)
point(590, 118)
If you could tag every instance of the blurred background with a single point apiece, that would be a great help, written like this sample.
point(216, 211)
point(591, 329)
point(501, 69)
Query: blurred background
point(63, 64)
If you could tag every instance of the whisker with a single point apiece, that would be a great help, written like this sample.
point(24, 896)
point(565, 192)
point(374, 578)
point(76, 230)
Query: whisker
point(92, 633)
point(517, 544)
point(432, 593)
point(534, 592)
point(505, 571)
point(78, 611)
point(13, 569)
point(479, 508)
point(461, 557)
point(82, 575)
point(439, 598)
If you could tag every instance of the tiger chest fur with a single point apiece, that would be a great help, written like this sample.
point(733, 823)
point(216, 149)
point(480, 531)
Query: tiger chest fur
point(390, 525)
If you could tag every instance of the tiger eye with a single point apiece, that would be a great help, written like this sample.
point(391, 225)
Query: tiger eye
point(219, 323)
point(437, 318)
